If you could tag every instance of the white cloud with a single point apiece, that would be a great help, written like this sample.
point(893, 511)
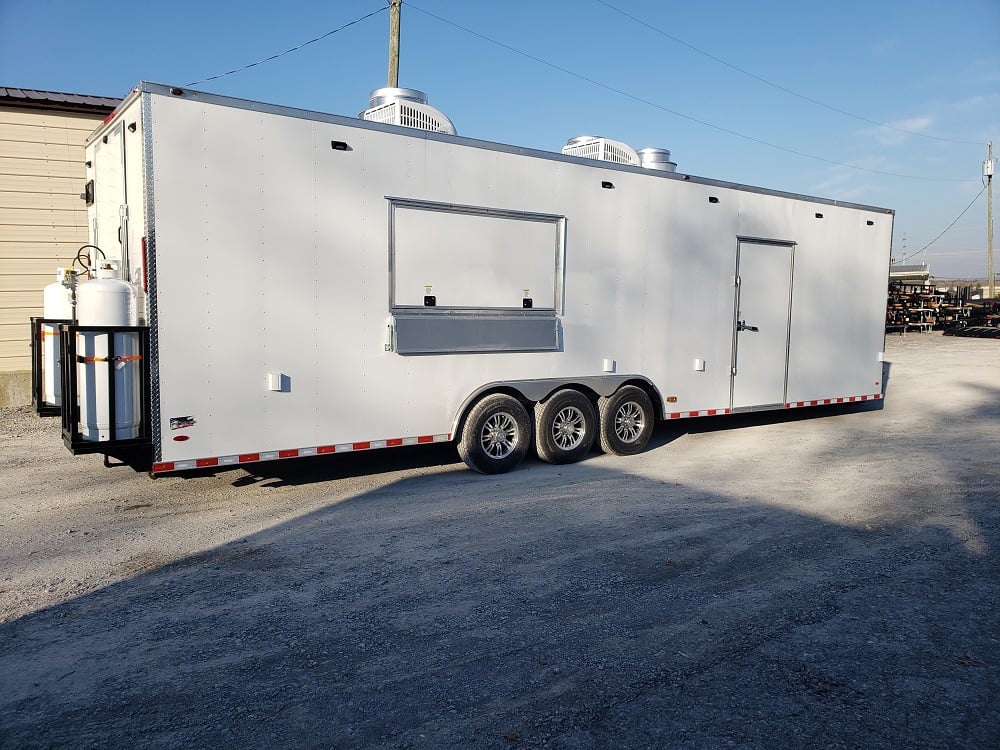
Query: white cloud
point(892, 133)
point(844, 183)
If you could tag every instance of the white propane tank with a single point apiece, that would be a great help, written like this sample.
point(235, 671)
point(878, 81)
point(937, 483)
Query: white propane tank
point(57, 305)
point(107, 301)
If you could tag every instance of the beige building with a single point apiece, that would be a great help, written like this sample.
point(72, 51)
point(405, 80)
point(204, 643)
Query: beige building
point(43, 221)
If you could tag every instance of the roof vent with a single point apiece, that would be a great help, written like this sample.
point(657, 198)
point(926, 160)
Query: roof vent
point(602, 149)
point(408, 108)
point(656, 158)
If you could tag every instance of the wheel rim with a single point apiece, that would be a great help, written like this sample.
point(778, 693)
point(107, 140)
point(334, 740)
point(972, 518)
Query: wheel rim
point(499, 435)
point(629, 422)
point(569, 428)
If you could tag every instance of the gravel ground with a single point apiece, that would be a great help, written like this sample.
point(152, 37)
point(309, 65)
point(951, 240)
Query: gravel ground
point(815, 578)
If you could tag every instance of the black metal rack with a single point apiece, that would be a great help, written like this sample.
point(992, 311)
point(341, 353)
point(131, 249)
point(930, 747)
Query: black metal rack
point(44, 408)
point(124, 449)
point(924, 308)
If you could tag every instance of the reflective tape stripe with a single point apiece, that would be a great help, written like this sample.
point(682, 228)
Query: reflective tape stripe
point(839, 400)
point(790, 405)
point(701, 413)
point(249, 458)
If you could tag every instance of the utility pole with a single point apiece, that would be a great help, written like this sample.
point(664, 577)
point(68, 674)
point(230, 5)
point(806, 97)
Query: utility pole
point(394, 7)
point(988, 174)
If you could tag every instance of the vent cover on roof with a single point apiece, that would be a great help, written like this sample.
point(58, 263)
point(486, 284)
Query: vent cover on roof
point(602, 149)
point(657, 158)
point(408, 108)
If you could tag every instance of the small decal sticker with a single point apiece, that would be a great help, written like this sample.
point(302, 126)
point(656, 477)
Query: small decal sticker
point(180, 423)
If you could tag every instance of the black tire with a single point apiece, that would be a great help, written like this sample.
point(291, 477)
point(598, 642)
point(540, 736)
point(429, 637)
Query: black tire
point(565, 426)
point(496, 434)
point(626, 421)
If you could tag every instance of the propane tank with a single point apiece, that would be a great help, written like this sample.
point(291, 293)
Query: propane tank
point(106, 300)
point(104, 357)
point(57, 305)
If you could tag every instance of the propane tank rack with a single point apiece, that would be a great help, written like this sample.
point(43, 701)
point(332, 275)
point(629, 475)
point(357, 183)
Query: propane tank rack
point(41, 328)
point(134, 450)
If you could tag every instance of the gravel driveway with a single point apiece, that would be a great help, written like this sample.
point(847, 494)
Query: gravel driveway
point(815, 578)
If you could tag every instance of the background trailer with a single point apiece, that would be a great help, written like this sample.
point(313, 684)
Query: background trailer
point(314, 284)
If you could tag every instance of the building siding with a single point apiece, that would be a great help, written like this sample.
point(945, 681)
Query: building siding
point(43, 221)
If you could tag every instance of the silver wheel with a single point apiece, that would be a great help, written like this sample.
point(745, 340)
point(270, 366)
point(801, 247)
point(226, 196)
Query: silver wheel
point(499, 435)
point(626, 419)
point(565, 425)
point(569, 428)
point(630, 422)
point(495, 434)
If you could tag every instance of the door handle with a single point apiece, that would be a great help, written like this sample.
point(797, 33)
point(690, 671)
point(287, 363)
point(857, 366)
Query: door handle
point(741, 325)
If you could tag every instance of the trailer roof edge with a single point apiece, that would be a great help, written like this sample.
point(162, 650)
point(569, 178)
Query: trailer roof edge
point(277, 109)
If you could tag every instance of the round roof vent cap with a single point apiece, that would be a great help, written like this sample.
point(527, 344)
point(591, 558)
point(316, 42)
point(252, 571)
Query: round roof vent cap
point(391, 94)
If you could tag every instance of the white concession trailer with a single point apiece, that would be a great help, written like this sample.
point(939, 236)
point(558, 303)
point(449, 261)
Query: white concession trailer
point(305, 284)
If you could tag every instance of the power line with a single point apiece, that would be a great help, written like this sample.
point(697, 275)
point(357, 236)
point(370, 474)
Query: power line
point(292, 49)
point(905, 257)
point(675, 113)
point(763, 80)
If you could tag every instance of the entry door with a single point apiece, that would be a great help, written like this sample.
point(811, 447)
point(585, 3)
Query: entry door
point(112, 212)
point(763, 308)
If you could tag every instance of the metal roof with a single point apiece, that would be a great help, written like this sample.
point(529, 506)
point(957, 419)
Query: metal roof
point(918, 272)
point(57, 100)
point(919, 268)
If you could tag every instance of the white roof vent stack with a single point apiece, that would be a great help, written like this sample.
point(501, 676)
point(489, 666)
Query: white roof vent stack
point(657, 158)
point(408, 108)
point(602, 149)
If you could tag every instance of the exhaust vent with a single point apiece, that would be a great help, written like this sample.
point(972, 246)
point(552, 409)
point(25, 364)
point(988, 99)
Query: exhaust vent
point(601, 149)
point(407, 108)
point(656, 158)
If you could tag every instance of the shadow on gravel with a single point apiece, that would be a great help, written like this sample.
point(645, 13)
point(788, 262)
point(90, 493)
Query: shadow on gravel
point(313, 469)
point(639, 614)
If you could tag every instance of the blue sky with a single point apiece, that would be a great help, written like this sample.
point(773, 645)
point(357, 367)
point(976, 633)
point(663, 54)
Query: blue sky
point(930, 69)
